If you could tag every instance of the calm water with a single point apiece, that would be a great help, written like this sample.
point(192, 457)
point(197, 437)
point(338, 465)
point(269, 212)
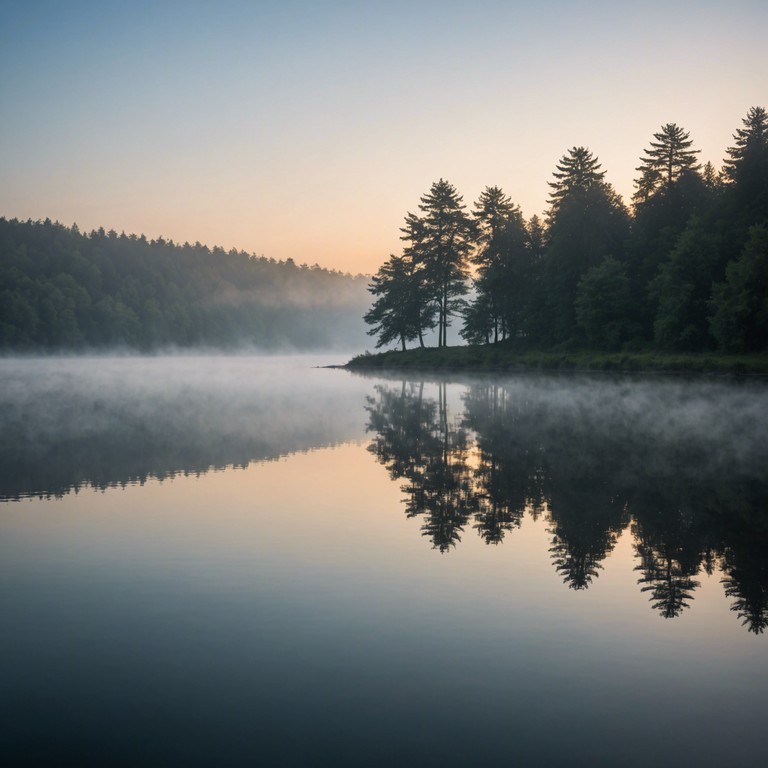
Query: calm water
point(239, 561)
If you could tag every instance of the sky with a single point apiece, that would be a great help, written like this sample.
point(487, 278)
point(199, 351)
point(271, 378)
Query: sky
point(309, 129)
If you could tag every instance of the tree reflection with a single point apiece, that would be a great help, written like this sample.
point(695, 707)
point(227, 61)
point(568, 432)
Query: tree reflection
point(416, 440)
point(512, 454)
point(584, 532)
point(403, 424)
point(506, 478)
point(670, 544)
point(745, 567)
point(667, 579)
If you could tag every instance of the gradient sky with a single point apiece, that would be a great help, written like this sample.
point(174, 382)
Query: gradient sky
point(308, 129)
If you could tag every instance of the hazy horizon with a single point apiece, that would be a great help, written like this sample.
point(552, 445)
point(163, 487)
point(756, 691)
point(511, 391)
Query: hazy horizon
point(306, 131)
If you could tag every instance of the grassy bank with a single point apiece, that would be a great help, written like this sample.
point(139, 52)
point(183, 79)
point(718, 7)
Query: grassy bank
point(499, 358)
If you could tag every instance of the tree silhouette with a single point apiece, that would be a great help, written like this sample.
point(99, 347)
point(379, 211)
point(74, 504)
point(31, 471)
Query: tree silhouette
point(439, 243)
point(587, 222)
point(603, 305)
point(747, 161)
point(665, 161)
point(504, 270)
point(577, 172)
point(399, 312)
point(682, 290)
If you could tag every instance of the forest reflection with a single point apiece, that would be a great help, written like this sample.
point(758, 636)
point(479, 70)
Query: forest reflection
point(691, 503)
point(72, 423)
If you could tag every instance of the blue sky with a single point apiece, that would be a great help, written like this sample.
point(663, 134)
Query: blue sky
point(308, 129)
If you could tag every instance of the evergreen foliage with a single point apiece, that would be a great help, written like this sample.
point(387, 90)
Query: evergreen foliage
point(603, 305)
point(439, 244)
point(739, 319)
point(502, 258)
point(399, 313)
point(578, 171)
point(685, 271)
point(667, 159)
point(587, 222)
point(60, 289)
point(682, 288)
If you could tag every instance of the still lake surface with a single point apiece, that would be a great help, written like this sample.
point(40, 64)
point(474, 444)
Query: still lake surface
point(252, 561)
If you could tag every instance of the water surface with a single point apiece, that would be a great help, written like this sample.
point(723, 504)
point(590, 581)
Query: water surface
point(235, 561)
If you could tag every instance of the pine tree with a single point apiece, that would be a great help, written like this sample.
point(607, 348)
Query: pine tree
point(440, 242)
point(667, 159)
point(750, 145)
point(398, 314)
point(501, 258)
point(746, 168)
point(587, 222)
point(577, 171)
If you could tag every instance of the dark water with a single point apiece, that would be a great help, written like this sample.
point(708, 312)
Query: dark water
point(242, 561)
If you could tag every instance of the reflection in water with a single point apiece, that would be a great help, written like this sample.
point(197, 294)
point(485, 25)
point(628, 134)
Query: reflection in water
point(681, 465)
point(283, 615)
point(71, 423)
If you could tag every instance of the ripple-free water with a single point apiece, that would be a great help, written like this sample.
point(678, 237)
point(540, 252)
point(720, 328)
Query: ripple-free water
point(252, 561)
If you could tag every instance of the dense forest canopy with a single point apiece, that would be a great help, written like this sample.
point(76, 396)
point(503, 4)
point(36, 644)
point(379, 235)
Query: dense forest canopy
point(62, 289)
point(685, 268)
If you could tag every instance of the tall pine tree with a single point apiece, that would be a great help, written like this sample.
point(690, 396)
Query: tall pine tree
point(440, 242)
point(665, 161)
point(587, 222)
point(501, 258)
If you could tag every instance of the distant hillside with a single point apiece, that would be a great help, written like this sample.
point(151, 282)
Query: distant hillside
point(62, 289)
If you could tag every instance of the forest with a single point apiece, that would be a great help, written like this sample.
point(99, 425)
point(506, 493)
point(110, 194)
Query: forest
point(63, 289)
point(684, 268)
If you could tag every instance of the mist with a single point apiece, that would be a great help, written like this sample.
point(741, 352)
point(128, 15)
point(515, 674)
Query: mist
point(70, 422)
point(70, 292)
point(661, 425)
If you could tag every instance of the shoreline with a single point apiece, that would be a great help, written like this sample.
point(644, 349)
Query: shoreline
point(484, 359)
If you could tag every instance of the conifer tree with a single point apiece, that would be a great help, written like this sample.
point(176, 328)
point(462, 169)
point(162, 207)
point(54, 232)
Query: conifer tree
point(501, 258)
point(665, 161)
point(750, 145)
point(746, 168)
point(577, 171)
point(397, 314)
point(439, 243)
point(587, 222)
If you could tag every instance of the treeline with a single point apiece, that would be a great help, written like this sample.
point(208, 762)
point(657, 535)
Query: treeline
point(62, 289)
point(685, 268)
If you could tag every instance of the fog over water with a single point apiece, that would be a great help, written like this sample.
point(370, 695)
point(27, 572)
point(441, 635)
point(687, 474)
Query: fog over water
point(723, 421)
point(67, 422)
point(100, 420)
point(207, 558)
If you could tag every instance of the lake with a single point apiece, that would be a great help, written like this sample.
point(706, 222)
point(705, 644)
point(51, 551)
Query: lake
point(255, 561)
